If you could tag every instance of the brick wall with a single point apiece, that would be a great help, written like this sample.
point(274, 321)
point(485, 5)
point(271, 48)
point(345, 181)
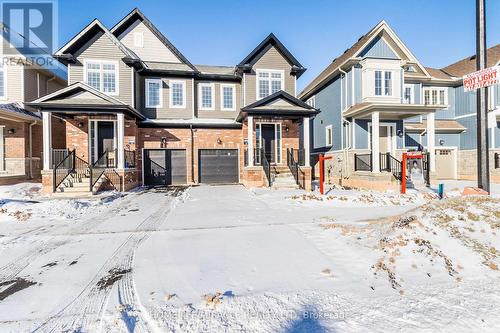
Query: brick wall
point(77, 136)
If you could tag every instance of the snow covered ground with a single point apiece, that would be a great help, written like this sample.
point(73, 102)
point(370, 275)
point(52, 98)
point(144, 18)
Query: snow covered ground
point(224, 258)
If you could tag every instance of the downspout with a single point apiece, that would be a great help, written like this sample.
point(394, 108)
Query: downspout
point(192, 152)
point(343, 99)
point(47, 84)
point(30, 153)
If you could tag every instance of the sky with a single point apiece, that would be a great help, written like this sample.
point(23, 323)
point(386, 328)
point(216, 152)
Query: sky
point(223, 32)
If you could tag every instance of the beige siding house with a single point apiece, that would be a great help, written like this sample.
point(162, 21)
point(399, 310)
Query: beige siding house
point(138, 111)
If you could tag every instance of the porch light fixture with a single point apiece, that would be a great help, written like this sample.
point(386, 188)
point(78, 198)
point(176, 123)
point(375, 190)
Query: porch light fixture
point(441, 142)
point(11, 131)
point(80, 124)
point(286, 129)
point(400, 133)
point(219, 141)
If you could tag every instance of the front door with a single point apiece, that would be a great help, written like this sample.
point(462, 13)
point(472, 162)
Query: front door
point(102, 139)
point(269, 141)
point(385, 139)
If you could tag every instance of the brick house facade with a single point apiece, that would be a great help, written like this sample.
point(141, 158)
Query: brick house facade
point(158, 119)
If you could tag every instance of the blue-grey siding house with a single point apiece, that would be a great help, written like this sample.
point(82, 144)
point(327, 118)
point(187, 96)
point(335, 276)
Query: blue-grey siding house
point(377, 99)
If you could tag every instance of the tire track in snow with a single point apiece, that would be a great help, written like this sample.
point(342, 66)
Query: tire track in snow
point(85, 311)
point(16, 266)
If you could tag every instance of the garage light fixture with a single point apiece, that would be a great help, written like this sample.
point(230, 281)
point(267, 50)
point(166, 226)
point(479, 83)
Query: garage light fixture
point(219, 141)
point(441, 142)
point(80, 124)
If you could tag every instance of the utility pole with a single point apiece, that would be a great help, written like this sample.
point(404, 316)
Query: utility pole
point(483, 170)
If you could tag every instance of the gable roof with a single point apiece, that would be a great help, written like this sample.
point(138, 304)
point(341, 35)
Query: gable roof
point(468, 65)
point(251, 58)
point(136, 14)
point(352, 53)
point(17, 111)
point(65, 53)
point(279, 103)
point(92, 99)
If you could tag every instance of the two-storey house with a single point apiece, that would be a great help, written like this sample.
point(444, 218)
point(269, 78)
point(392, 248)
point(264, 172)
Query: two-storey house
point(22, 80)
point(137, 111)
point(378, 101)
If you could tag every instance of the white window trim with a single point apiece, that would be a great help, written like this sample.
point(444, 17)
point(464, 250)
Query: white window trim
point(101, 62)
point(329, 138)
point(412, 91)
point(438, 89)
point(383, 86)
point(226, 85)
point(257, 88)
point(138, 39)
point(183, 83)
point(160, 82)
point(3, 68)
point(212, 97)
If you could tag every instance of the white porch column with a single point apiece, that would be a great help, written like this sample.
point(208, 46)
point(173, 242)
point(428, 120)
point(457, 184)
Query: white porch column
point(2, 159)
point(120, 133)
point(47, 140)
point(250, 141)
point(375, 142)
point(431, 141)
point(307, 143)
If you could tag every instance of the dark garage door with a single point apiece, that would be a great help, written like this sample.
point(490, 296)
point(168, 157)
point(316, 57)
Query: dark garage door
point(164, 166)
point(218, 166)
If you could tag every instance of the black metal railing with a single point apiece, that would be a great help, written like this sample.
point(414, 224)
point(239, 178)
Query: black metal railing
point(497, 160)
point(58, 155)
point(363, 162)
point(390, 164)
point(97, 170)
point(129, 156)
point(293, 164)
point(266, 166)
point(114, 179)
point(62, 170)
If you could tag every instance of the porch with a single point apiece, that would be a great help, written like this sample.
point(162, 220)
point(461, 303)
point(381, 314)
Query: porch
point(277, 139)
point(99, 137)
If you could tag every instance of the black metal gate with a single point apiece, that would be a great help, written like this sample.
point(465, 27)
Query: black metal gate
point(165, 167)
point(218, 166)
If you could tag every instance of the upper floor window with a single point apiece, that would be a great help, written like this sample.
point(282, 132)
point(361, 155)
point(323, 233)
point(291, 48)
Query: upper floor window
point(102, 75)
point(269, 82)
point(435, 96)
point(177, 94)
point(329, 135)
point(138, 39)
point(3, 85)
point(206, 96)
point(383, 85)
point(153, 93)
point(227, 96)
point(408, 94)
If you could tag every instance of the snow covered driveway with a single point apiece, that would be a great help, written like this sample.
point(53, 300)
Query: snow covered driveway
point(224, 258)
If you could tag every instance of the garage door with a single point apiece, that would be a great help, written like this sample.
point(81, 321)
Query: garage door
point(165, 167)
point(218, 166)
point(445, 163)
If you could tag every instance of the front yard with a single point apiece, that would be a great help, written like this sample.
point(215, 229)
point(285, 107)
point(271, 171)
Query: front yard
point(224, 258)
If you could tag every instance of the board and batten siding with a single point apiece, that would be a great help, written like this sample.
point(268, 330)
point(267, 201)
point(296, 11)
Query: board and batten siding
point(272, 59)
point(328, 101)
point(152, 50)
point(217, 112)
point(165, 111)
point(14, 91)
point(102, 48)
point(378, 48)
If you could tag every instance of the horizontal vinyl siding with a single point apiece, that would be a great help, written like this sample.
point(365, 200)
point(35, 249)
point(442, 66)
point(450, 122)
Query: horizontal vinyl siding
point(328, 101)
point(271, 59)
point(153, 49)
point(218, 112)
point(165, 112)
point(449, 140)
point(31, 84)
point(101, 48)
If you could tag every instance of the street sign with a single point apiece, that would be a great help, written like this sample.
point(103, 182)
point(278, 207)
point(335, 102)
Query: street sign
point(483, 78)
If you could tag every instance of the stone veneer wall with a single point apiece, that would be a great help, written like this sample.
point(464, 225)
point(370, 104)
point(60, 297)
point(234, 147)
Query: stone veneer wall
point(467, 165)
